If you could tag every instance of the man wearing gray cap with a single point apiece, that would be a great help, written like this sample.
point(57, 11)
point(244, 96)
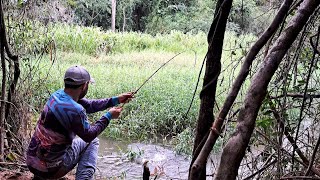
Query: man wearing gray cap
point(54, 150)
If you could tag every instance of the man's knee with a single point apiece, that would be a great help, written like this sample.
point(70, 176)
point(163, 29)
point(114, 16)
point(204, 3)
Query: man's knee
point(86, 173)
point(95, 142)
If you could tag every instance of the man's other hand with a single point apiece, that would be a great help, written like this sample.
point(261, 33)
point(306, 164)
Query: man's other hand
point(115, 112)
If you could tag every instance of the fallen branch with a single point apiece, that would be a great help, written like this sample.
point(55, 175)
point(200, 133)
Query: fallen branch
point(296, 95)
point(300, 177)
point(13, 164)
point(260, 170)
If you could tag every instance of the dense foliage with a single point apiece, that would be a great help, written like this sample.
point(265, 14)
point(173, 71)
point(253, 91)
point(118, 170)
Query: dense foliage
point(152, 17)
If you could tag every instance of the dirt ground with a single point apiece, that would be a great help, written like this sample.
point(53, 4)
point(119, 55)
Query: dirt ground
point(13, 175)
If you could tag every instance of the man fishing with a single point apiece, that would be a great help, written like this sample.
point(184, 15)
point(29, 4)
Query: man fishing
point(54, 150)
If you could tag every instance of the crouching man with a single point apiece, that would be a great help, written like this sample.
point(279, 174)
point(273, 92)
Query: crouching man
point(54, 150)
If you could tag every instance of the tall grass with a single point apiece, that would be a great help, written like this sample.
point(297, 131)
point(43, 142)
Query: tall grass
point(92, 40)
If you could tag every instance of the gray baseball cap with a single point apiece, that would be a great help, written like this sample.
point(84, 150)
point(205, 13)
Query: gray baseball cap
point(77, 75)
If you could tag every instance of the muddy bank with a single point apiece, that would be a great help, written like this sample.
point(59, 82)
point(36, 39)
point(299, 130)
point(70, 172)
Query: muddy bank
point(16, 175)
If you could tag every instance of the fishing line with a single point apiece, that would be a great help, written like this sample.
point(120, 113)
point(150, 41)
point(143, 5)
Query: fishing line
point(196, 88)
point(158, 70)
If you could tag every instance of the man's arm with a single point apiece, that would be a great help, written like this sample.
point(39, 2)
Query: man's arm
point(81, 126)
point(95, 105)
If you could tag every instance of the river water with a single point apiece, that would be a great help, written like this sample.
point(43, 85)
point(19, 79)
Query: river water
point(119, 160)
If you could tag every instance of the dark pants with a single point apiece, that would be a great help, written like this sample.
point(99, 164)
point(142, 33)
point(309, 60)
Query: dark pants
point(79, 153)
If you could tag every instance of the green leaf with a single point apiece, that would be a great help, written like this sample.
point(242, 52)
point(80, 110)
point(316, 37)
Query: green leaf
point(311, 90)
point(11, 156)
point(20, 3)
point(264, 123)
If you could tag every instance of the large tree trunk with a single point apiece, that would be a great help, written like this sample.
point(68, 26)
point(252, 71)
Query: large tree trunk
point(213, 67)
point(200, 162)
point(234, 150)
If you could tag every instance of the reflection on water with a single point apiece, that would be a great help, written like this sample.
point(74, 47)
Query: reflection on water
point(162, 161)
point(108, 146)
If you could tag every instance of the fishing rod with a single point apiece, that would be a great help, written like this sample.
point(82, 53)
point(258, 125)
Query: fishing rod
point(155, 72)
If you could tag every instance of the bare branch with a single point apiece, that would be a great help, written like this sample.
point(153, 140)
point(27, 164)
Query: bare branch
point(304, 95)
point(304, 163)
point(234, 150)
point(315, 46)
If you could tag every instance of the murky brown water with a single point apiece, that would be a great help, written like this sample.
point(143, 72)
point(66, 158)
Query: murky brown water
point(163, 162)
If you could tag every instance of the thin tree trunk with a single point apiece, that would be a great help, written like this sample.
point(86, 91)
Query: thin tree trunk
point(13, 84)
point(113, 15)
point(124, 19)
point(213, 67)
point(234, 150)
point(5, 107)
point(3, 85)
point(200, 162)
